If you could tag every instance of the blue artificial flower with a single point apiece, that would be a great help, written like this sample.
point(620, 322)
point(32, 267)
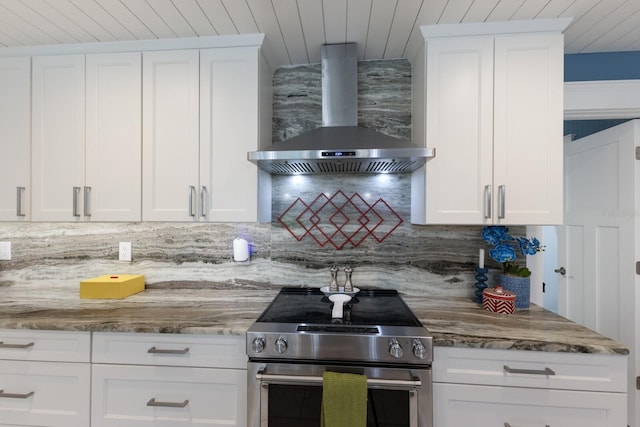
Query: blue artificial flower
point(496, 234)
point(504, 248)
point(528, 247)
point(503, 253)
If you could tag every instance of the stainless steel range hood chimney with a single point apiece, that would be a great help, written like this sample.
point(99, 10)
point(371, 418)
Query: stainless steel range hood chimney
point(340, 145)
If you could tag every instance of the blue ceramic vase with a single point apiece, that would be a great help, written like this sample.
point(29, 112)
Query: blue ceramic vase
point(520, 286)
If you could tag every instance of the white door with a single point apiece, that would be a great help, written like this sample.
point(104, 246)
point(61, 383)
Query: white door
point(598, 243)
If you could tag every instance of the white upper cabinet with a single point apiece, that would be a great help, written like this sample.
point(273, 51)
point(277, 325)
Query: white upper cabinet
point(230, 126)
point(86, 137)
point(113, 141)
point(170, 135)
point(58, 132)
point(201, 114)
point(15, 138)
point(136, 131)
point(488, 98)
point(528, 128)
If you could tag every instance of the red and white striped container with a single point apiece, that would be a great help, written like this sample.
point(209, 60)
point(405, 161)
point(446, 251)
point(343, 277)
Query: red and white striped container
point(497, 300)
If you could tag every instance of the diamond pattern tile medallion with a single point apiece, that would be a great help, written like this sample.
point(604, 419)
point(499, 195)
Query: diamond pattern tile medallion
point(340, 220)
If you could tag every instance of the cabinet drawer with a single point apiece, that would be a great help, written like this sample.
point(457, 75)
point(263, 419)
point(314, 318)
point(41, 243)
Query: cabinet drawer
point(54, 346)
point(219, 351)
point(488, 406)
point(122, 396)
point(60, 393)
point(570, 371)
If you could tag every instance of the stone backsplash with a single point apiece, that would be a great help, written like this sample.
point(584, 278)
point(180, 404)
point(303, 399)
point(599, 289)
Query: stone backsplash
point(431, 260)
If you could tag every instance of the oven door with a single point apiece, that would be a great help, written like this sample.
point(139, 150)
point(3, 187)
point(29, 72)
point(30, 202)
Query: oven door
point(290, 394)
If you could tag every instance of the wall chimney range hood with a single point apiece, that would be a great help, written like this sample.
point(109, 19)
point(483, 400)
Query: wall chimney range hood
point(340, 145)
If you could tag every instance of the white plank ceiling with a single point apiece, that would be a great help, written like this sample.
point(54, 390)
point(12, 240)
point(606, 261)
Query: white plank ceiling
point(295, 29)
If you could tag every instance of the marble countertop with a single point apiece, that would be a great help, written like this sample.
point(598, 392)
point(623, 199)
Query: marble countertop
point(453, 322)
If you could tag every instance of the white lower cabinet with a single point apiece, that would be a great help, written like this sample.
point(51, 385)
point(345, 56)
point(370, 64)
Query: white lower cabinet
point(127, 395)
point(164, 380)
point(473, 405)
point(35, 392)
point(44, 393)
point(528, 388)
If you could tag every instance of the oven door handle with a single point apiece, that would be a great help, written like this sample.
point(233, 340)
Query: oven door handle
point(373, 382)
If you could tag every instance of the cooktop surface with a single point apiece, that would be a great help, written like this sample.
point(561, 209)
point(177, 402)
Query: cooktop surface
point(311, 306)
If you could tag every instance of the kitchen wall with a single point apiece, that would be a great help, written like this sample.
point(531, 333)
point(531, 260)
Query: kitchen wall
point(433, 260)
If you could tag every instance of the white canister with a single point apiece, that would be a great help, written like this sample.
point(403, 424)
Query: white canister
point(240, 250)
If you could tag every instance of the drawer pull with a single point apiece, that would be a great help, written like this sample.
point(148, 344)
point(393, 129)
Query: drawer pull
point(16, 395)
point(153, 402)
point(545, 371)
point(164, 351)
point(509, 425)
point(3, 345)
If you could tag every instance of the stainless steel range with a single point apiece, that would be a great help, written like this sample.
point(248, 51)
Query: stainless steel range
point(299, 336)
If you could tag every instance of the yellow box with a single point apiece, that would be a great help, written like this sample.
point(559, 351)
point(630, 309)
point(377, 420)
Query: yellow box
point(116, 286)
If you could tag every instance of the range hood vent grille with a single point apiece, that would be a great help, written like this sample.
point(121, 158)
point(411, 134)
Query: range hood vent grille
point(289, 167)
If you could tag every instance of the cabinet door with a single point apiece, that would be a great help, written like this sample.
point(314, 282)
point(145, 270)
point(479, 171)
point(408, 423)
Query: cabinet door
point(485, 406)
point(459, 105)
point(50, 394)
point(15, 119)
point(528, 118)
point(170, 140)
point(58, 132)
point(229, 125)
point(136, 396)
point(113, 141)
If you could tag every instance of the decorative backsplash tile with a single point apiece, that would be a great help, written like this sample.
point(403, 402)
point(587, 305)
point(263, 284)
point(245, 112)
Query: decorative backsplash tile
point(340, 220)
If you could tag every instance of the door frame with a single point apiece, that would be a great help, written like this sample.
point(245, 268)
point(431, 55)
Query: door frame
point(588, 100)
point(594, 100)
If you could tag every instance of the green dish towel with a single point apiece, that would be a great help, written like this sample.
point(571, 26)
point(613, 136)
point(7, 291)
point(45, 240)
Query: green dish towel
point(344, 400)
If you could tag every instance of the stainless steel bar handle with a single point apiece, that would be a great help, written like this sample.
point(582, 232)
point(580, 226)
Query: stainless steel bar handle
point(16, 395)
point(488, 201)
point(192, 190)
point(317, 380)
point(76, 193)
point(545, 371)
point(154, 402)
point(502, 193)
point(203, 201)
point(87, 193)
point(19, 192)
point(155, 350)
point(3, 345)
point(509, 425)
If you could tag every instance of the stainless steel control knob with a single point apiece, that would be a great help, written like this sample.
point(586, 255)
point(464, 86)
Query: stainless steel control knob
point(419, 350)
point(281, 345)
point(395, 349)
point(257, 344)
